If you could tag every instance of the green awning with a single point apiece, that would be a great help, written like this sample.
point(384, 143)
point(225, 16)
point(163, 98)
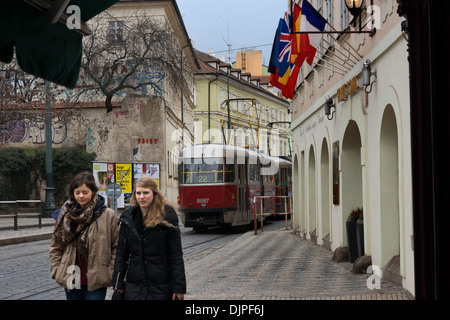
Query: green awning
point(50, 51)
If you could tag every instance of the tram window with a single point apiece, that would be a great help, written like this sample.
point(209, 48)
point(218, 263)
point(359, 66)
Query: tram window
point(229, 173)
point(180, 174)
point(207, 173)
point(253, 173)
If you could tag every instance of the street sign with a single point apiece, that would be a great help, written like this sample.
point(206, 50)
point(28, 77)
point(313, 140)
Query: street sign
point(113, 190)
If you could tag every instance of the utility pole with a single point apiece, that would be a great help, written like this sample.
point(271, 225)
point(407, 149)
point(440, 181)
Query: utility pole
point(49, 205)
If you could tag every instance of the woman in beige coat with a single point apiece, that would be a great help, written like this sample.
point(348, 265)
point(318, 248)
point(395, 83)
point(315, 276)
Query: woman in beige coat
point(84, 242)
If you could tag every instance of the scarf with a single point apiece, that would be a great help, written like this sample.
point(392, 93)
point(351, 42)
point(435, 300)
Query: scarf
point(72, 224)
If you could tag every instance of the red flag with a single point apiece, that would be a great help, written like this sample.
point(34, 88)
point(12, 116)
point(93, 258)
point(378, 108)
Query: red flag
point(275, 80)
point(296, 57)
point(289, 89)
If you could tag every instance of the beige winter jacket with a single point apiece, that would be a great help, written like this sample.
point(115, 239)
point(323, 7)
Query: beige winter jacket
point(103, 235)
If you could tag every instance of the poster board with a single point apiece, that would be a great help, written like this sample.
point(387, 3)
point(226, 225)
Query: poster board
point(124, 174)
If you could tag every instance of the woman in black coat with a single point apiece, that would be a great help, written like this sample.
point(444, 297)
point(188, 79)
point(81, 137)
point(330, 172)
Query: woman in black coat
point(149, 261)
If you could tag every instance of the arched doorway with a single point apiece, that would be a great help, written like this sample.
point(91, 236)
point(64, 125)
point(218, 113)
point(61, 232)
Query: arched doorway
point(325, 192)
point(303, 228)
point(389, 189)
point(297, 194)
point(312, 208)
point(352, 193)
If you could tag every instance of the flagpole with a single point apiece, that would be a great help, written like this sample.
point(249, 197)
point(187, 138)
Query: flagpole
point(334, 66)
point(336, 56)
point(321, 65)
point(325, 61)
point(349, 57)
point(360, 56)
point(357, 59)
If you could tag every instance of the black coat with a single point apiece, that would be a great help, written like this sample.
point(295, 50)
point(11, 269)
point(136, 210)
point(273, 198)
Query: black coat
point(150, 258)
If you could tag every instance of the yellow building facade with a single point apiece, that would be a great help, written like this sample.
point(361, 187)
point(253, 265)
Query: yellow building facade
point(257, 119)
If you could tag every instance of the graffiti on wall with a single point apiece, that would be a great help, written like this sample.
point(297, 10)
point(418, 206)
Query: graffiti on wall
point(90, 139)
point(16, 131)
point(100, 142)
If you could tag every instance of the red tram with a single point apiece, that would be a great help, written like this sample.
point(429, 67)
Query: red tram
point(217, 184)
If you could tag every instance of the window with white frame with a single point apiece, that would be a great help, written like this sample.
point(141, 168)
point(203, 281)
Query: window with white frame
point(115, 32)
point(329, 17)
point(344, 15)
point(194, 92)
point(222, 98)
point(319, 5)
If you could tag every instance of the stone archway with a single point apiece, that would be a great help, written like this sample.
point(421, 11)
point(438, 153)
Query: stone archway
point(297, 195)
point(389, 192)
point(325, 194)
point(352, 193)
point(312, 206)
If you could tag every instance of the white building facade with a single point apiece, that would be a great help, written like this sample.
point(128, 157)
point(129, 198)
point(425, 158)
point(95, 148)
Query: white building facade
point(358, 156)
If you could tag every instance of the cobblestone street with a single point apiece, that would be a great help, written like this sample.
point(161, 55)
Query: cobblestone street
point(220, 265)
point(277, 265)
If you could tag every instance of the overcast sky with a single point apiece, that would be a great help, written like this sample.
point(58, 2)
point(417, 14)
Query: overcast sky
point(211, 24)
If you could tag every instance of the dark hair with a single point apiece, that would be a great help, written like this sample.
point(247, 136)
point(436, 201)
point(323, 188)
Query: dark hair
point(86, 178)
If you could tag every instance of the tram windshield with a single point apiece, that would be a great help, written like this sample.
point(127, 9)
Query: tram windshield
point(210, 171)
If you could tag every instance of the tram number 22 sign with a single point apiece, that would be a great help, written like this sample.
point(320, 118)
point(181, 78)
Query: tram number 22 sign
point(202, 201)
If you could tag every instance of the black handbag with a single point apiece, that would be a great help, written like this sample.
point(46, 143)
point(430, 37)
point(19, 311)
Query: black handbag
point(117, 295)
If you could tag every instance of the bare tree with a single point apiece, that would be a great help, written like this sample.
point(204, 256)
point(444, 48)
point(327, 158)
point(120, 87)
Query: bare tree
point(139, 54)
point(19, 92)
point(23, 100)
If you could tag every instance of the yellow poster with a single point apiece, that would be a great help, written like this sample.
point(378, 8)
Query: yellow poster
point(124, 177)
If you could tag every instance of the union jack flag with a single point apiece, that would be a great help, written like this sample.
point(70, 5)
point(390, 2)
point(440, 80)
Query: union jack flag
point(284, 45)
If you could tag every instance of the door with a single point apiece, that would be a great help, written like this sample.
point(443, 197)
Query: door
point(242, 215)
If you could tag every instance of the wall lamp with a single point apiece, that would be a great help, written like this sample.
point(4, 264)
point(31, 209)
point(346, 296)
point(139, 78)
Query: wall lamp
point(366, 74)
point(329, 103)
point(355, 8)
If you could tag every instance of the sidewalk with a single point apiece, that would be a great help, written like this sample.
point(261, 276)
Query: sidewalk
point(28, 230)
point(278, 265)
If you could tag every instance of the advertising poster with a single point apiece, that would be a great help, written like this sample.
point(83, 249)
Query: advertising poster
point(99, 171)
point(147, 169)
point(124, 174)
point(104, 175)
point(124, 177)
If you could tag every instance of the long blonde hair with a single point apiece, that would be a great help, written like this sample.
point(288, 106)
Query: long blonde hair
point(156, 213)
